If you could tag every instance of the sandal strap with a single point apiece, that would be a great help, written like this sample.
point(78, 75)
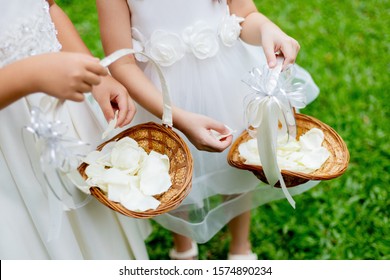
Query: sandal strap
point(190, 253)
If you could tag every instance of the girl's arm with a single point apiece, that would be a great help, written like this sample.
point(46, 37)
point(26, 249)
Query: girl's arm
point(115, 30)
point(41, 73)
point(259, 30)
point(109, 93)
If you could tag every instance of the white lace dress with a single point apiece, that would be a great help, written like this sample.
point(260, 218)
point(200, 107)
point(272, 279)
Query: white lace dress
point(196, 44)
point(90, 232)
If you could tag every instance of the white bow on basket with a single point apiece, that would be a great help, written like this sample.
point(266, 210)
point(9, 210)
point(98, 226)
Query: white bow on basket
point(270, 115)
point(271, 104)
point(53, 155)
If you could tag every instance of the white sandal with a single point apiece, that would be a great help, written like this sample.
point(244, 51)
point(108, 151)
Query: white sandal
point(189, 254)
point(249, 256)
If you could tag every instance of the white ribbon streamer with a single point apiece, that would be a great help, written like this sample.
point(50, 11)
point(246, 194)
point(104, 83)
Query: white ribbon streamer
point(275, 95)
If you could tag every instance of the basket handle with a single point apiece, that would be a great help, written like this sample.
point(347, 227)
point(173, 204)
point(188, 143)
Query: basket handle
point(167, 105)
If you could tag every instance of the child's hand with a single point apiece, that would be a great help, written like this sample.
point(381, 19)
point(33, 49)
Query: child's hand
point(112, 96)
point(275, 40)
point(198, 129)
point(67, 75)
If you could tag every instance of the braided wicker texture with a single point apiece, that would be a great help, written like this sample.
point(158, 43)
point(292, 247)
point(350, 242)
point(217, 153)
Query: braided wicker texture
point(151, 136)
point(334, 167)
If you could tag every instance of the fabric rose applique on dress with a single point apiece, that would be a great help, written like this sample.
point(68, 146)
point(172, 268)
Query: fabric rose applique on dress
point(199, 39)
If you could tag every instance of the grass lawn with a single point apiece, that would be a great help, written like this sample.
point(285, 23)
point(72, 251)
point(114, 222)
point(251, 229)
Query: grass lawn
point(345, 46)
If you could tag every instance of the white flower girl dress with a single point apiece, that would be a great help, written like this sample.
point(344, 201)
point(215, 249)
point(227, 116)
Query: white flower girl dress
point(196, 44)
point(90, 232)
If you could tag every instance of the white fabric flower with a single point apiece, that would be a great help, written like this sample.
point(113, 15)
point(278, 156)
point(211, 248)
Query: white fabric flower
point(230, 29)
point(165, 47)
point(138, 40)
point(201, 40)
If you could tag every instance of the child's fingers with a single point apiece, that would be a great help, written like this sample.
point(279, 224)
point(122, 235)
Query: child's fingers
point(219, 127)
point(290, 51)
point(130, 113)
point(123, 107)
point(77, 97)
point(216, 145)
point(92, 78)
point(108, 111)
point(269, 51)
point(84, 87)
point(96, 68)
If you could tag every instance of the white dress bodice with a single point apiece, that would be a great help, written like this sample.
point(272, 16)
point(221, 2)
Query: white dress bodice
point(209, 11)
point(31, 34)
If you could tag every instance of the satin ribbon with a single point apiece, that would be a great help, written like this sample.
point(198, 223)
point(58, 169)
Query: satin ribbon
point(167, 104)
point(52, 156)
point(275, 95)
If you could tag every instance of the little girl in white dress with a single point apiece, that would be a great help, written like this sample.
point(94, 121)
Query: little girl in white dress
point(90, 232)
point(197, 46)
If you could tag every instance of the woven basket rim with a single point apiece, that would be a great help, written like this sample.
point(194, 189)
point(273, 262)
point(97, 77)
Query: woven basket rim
point(164, 207)
point(320, 174)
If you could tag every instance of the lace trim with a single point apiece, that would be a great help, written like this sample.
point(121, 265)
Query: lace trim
point(30, 36)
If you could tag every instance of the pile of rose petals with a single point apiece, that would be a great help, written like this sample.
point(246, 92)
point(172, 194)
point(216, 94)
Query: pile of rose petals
point(304, 155)
point(128, 175)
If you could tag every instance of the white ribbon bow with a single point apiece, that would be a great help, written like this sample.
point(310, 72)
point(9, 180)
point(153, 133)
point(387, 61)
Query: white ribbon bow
point(53, 155)
point(275, 95)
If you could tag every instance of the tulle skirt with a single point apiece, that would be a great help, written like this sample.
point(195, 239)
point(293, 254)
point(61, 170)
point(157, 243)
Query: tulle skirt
point(214, 87)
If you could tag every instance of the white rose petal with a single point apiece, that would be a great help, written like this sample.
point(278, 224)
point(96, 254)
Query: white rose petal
point(248, 150)
point(94, 170)
point(114, 176)
point(111, 125)
point(154, 174)
point(92, 157)
point(135, 200)
point(316, 158)
point(115, 192)
point(96, 182)
point(312, 139)
point(126, 158)
point(100, 157)
point(125, 142)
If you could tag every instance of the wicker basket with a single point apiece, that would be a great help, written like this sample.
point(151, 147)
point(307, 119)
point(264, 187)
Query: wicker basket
point(151, 136)
point(335, 165)
point(162, 139)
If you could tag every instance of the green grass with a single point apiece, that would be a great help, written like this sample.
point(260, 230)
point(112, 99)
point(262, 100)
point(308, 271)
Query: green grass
point(345, 46)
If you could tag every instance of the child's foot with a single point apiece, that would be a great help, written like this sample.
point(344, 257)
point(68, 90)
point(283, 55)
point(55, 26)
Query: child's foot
point(241, 251)
point(190, 254)
point(247, 256)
